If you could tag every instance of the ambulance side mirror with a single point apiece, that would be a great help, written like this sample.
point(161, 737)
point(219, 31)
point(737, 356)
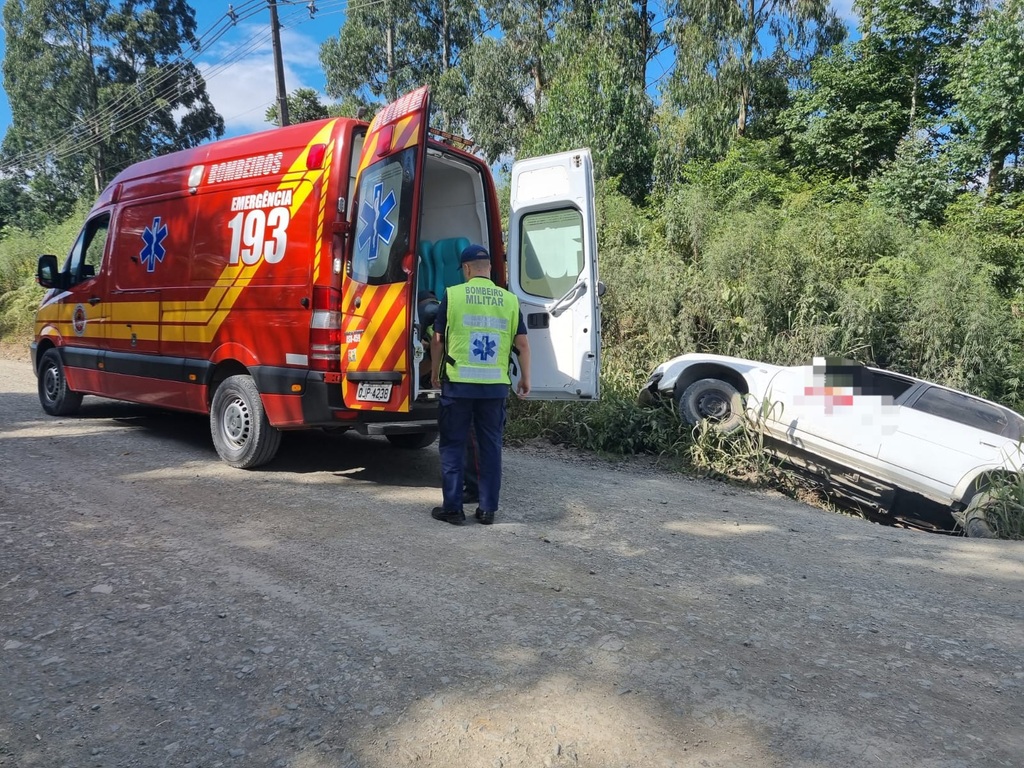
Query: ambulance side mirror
point(46, 273)
point(602, 289)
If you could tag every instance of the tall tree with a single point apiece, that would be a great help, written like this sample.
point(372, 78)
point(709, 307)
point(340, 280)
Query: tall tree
point(851, 118)
point(387, 48)
point(95, 85)
point(723, 49)
point(303, 105)
point(988, 86)
point(913, 40)
point(887, 88)
point(507, 75)
point(598, 95)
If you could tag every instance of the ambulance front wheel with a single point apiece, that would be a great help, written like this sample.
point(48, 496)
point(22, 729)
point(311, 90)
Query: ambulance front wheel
point(54, 395)
point(241, 432)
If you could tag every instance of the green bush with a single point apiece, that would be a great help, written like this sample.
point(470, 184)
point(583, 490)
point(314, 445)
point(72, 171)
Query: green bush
point(19, 254)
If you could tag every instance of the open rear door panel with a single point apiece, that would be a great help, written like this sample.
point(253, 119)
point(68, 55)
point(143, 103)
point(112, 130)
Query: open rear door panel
point(376, 352)
point(552, 262)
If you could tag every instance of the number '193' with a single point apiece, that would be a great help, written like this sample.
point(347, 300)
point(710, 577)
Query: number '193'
point(259, 234)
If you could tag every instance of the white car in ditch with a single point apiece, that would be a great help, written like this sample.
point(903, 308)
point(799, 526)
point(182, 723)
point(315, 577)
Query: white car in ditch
point(902, 449)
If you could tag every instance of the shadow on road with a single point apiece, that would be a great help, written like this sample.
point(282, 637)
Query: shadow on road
point(348, 454)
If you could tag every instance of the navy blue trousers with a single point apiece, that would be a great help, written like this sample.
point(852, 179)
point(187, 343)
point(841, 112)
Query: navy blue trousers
point(486, 417)
point(471, 469)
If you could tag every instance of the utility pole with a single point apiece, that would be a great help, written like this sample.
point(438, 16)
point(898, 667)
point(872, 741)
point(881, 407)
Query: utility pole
point(282, 94)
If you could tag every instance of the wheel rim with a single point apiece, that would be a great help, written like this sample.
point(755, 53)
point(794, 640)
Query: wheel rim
point(236, 422)
point(714, 406)
point(51, 383)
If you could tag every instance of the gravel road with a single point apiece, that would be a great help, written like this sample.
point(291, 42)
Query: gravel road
point(158, 608)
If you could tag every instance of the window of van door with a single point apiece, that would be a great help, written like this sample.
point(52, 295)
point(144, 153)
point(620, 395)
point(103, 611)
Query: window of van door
point(385, 200)
point(552, 252)
point(86, 257)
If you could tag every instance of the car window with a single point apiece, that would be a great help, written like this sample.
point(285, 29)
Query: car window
point(886, 385)
point(968, 410)
point(86, 256)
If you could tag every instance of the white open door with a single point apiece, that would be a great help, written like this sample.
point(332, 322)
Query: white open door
point(552, 268)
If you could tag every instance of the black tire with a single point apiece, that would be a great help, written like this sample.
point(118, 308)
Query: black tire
point(976, 522)
point(242, 435)
point(411, 441)
point(714, 401)
point(54, 395)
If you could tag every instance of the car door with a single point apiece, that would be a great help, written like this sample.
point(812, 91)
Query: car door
point(88, 306)
point(836, 409)
point(552, 267)
point(941, 436)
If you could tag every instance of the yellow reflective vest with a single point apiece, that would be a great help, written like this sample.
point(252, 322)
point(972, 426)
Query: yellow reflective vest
point(482, 321)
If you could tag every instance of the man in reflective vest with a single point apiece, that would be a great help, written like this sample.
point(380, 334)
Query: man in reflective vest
point(474, 332)
point(426, 310)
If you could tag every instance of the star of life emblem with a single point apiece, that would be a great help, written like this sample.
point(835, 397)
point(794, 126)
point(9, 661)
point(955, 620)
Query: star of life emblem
point(153, 250)
point(375, 227)
point(483, 347)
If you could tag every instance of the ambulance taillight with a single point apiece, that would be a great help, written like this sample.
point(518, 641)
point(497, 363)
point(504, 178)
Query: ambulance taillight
point(325, 330)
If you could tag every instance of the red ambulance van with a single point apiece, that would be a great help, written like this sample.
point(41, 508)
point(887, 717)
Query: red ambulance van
point(271, 280)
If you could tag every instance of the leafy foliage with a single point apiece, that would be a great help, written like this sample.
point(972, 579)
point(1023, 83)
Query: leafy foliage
point(988, 88)
point(722, 63)
point(385, 49)
point(600, 100)
point(303, 105)
point(95, 86)
point(19, 293)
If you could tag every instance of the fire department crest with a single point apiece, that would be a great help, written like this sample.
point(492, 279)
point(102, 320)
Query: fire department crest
point(78, 320)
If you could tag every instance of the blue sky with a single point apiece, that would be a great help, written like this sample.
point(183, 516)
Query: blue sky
point(239, 67)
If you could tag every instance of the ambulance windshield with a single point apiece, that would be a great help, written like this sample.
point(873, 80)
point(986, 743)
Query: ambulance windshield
point(385, 198)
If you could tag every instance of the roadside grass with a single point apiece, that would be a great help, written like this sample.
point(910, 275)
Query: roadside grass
point(740, 455)
point(19, 293)
point(618, 425)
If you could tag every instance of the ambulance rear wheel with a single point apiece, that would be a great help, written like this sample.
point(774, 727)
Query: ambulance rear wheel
point(54, 395)
point(242, 434)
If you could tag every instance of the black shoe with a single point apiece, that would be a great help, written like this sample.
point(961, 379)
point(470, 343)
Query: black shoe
point(455, 518)
point(485, 518)
point(470, 497)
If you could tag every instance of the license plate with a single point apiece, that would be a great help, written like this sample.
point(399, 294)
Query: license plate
point(373, 392)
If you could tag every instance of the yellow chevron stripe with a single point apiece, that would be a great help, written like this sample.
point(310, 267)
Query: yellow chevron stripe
point(199, 321)
point(321, 216)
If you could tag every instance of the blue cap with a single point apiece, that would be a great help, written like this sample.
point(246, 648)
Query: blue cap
point(475, 253)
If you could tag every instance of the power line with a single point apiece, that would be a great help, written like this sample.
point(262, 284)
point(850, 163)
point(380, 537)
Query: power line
point(72, 142)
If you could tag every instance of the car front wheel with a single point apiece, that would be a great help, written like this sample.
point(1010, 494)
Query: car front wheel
point(714, 401)
point(54, 395)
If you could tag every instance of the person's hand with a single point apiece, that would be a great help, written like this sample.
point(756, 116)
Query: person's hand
point(523, 388)
point(435, 380)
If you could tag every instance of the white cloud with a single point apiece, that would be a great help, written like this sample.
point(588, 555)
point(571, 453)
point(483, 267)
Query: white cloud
point(240, 79)
point(844, 10)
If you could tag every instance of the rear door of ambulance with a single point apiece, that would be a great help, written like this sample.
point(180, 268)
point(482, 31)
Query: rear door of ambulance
point(376, 343)
point(552, 269)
